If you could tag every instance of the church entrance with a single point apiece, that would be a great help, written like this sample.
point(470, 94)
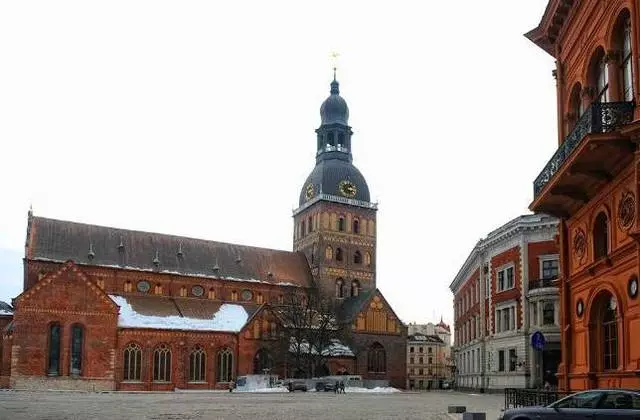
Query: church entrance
point(262, 362)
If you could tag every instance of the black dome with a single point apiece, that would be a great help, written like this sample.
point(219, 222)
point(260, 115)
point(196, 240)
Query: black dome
point(334, 109)
point(326, 177)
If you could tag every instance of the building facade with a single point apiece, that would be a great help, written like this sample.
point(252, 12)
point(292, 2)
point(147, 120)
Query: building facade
point(505, 292)
point(106, 308)
point(591, 183)
point(429, 362)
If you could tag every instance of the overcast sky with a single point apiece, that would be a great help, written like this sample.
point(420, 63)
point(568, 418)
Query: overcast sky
point(197, 118)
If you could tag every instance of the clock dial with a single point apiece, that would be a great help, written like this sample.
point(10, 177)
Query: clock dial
point(348, 189)
point(309, 191)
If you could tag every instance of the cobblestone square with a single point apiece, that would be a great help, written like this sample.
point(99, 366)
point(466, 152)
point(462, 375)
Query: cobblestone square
point(17, 405)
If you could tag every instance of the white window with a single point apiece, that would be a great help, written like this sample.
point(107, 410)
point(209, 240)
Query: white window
point(549, 267)
point(505, 279)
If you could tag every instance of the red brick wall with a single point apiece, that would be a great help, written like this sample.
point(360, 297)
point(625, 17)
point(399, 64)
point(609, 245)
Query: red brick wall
point(509, 256)
point(535, 250)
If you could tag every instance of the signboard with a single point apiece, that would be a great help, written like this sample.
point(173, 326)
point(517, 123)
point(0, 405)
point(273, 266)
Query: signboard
point(538, 341)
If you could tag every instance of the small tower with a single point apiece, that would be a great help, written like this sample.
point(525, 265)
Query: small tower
point(335, 223)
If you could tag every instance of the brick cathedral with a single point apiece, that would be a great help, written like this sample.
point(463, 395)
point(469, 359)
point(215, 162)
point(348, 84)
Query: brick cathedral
point(104, 308)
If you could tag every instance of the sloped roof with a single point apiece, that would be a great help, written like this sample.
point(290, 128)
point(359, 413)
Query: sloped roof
point(352, 305)
point(161, 312)
point(426, 338)
point(60, 241)
point(5, 309)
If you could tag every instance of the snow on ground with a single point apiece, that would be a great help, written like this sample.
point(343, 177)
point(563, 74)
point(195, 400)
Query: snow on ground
point(376, 390)
point(262, 390)
point(229, 318)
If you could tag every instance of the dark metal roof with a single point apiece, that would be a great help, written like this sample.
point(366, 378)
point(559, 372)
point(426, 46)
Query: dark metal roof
point(58, 240)
point(5, 308)
point(352, 305)
point(326, 178)
point(334, 109)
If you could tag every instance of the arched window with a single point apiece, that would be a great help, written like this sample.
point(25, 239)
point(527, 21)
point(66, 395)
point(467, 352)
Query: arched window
point(132, 362)
point(576, 106)
point(341, 223)
point(262, 362)
point(376, 359)
point(328, 253)
point(162, 364)
point(357, 257)
point(355, 288)
point(302, 228)
point(367, 259)
point(77, 340)
point(603, 333)
point(197, 365)
point(601, 236)
point(341, 139)
point(623, 45)
point(225, 365)
point(356, 226)
point(331, 139)
point(309, 225)
point(600, 76)
point(53, 365)
point(339, 288)
point(338, 254)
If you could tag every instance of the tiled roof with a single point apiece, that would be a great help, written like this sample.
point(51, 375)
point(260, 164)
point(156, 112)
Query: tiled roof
point(57, 240)
point(352, 305)
point(425, 338)
point(5, 308)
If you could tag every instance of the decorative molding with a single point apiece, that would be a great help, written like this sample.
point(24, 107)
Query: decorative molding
point(579, 244)
point(626, 210)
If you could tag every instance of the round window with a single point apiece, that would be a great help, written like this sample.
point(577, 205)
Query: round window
point(247, 295)
point(633, 287)
point(579, 308)
point(197, 291)
point(143, 286)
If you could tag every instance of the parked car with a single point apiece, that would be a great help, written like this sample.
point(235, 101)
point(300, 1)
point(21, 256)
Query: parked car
point(593, 404)
point(325, 386)
point(297, 386)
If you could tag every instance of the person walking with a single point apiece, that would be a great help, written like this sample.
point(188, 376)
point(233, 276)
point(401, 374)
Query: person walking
point(342, 386)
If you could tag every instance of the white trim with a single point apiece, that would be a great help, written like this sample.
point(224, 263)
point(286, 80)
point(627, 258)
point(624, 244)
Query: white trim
point(547, 257)
point(504, 268)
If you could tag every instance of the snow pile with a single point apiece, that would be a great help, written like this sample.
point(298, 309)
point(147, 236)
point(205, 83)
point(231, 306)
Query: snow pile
point(3, 312)
point(376, 390)
point(229, 318)
point(264, 390)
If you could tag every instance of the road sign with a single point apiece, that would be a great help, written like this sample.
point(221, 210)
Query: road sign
point(537, 340)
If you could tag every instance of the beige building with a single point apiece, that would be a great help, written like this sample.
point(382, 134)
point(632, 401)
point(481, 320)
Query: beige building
point(429, 361)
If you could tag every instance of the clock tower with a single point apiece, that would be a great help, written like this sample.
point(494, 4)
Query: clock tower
point(335, 223)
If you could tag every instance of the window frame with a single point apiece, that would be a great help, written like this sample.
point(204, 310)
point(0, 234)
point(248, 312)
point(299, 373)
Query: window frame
point(162, 365)
point(502, 272)
point(224, 365)
point(548, 258)
point(132, 351)
point(197, 365)
point(76, 347)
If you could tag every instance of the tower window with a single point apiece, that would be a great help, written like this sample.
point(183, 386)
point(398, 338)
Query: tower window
point(355, 288)
point(328, 253)
point(357, 257)
point(338, 254)
point(339, 288)
point(341, 224)
point(340, 139)
point(356, 226)
point(331, 139)
point(367, 259)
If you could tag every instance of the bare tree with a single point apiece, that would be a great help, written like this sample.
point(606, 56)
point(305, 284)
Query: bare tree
point(309, 330)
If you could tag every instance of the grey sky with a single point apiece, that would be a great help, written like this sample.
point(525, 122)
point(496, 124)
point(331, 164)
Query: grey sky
point(196, 118)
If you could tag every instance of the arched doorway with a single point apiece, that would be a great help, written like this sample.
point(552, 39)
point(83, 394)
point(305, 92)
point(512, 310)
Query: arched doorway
point(604, 333)
point(262, 362)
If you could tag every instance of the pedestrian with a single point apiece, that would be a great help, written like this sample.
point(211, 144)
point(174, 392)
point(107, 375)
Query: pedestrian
point(231, 386)
point(336, 389)
point(342, 386)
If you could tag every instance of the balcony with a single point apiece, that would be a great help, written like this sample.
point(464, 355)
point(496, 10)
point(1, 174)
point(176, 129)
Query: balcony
point(543, 283)
point(589, 157)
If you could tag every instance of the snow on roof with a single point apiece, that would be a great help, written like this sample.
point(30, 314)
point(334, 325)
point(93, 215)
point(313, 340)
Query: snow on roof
point(334, 349)
point(228, 318)
point(3, 312)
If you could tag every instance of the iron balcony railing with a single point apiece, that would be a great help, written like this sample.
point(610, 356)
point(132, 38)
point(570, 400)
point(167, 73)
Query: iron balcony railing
point(598, 118)
point(514, 397)
point(540, 283)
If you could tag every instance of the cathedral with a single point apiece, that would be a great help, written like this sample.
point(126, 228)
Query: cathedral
point(104, 308)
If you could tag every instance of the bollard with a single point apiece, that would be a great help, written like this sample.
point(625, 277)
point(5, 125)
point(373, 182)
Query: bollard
point(457, 409)
point(474, 416)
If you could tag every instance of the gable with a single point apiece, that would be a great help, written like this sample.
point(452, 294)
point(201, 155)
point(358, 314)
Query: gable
point(66, 290)
point(377, 317)
point(262, 325)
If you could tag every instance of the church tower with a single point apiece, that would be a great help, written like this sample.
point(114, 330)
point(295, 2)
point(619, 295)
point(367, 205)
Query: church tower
point(335, 223)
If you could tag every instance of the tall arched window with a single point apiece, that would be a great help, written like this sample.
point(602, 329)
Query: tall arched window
point(53, 364)
point(367, 259)
point(357, 257)
point(77, 340)
point(600, 76)
point(197, 365)
point(339, 288)
point(162, 364)
point(376, 359)
point(576, 106)
point(340, 139)
point(601, 236)
point(262, 362)
point(355, 288)
point(623, 45)
point(331, 139)
point(225, 365)
point(341, 223)
point(328, 253)
point(603, 333)
point(338, 254)
point(132, 362)
point(356, 226)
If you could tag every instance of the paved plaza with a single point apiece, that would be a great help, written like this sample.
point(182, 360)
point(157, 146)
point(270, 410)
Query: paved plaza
point(16, 405)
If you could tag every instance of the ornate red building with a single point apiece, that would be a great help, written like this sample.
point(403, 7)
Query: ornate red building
point(106, 308)
point(591, 182)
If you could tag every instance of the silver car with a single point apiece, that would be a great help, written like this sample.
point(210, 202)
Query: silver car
point(595, 404)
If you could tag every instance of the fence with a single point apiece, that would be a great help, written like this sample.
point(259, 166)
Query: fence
point(515, 397)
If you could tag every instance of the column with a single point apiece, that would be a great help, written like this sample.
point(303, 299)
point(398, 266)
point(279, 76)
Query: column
point(612, 58)
point(540, 304)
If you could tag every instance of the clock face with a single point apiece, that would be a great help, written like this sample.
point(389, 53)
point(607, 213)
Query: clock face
point(347, 188)
point(309, 191)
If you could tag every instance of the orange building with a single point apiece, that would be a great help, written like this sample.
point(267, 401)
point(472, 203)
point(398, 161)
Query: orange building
point(591, 183)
